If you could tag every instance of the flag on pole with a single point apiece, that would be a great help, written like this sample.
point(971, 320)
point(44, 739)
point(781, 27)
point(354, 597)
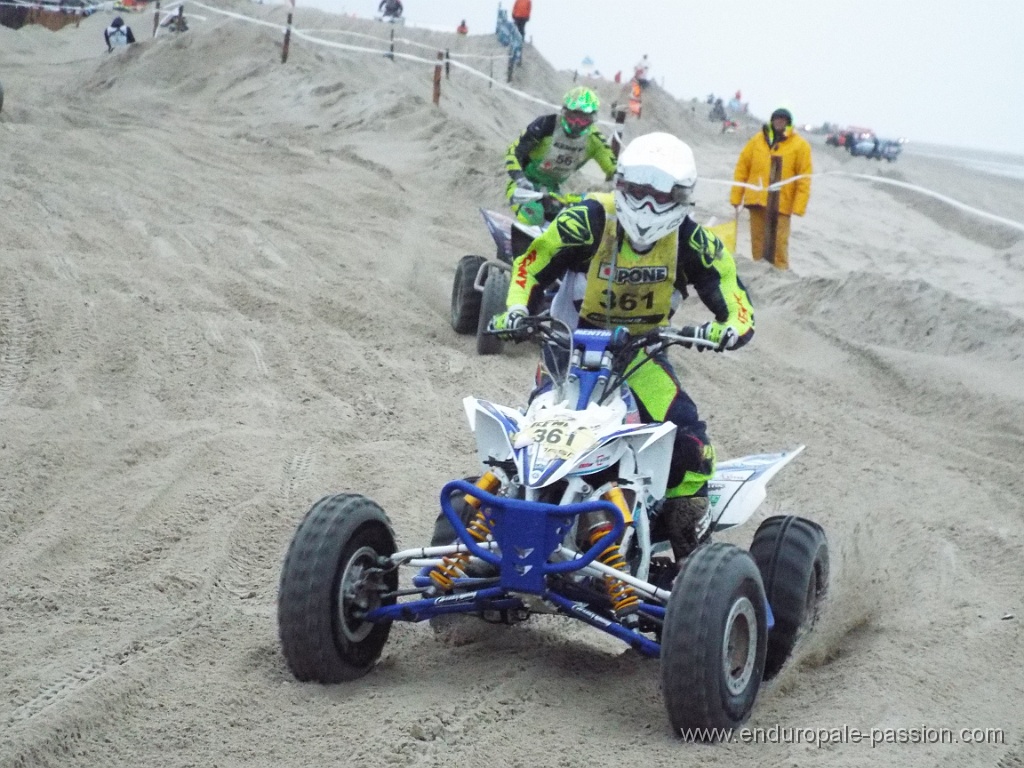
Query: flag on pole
point(726, 232)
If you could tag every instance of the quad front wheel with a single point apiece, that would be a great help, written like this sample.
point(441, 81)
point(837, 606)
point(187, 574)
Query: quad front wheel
point(713, 642)
point(792, 555)
point(493, 302)
point(334, 573)
point(466, 298)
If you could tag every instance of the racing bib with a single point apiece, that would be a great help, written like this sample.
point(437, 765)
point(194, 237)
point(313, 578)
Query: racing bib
point(558, 438)
point(630, 289)
point(563, 156)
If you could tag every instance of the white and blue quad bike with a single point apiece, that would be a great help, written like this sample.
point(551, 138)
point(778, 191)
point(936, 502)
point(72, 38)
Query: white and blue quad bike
point(564, 520)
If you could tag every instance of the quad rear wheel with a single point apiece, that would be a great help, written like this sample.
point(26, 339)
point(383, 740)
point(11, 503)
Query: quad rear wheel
point(792, 555)
point(713, 642)
point(334, 573)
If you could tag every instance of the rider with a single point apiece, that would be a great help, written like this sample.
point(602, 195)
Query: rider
point(550, 149)
point(626, 259)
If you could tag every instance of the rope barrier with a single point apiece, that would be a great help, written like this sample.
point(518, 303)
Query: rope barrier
point(406, 41)
point(308, 37)
point(877, 179)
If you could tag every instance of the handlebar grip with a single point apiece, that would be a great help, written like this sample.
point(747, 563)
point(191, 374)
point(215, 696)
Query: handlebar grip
point(688, 330)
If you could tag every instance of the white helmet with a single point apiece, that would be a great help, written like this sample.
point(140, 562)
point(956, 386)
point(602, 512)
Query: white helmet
point(654, 181)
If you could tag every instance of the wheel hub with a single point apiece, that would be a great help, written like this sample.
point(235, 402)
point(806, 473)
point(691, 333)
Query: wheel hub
point(357, 595)
point(739, 651)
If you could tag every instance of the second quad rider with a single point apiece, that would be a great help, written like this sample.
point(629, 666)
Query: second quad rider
point(550, 150)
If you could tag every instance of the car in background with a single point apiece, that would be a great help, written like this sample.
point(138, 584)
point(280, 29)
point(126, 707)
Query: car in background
point(877, 149)
point(847, 137)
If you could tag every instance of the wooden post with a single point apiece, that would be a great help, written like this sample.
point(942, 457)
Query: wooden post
point(287, 40)
point(437, 78)
point(391, 50)
point(447, 64)
point(156, 18)
point(490, 83)
point(771, 219)
point(179, 23)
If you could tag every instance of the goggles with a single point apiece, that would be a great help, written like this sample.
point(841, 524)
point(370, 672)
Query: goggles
point(660, 198)
point(577, 121)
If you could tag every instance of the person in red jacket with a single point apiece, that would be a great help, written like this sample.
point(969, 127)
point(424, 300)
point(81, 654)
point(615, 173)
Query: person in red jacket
point(776, 139)
point(521, 14)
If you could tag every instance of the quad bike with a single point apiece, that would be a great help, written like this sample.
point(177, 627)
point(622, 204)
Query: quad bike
point(481, 285)
point(564, 520)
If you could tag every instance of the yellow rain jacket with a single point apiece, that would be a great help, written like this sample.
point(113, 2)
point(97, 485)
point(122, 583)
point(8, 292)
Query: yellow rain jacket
point(754, 167)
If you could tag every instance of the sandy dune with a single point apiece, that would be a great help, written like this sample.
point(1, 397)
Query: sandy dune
point(224, 291)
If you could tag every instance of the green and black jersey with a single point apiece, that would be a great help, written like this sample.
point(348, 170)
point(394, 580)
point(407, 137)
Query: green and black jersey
point(548, 157)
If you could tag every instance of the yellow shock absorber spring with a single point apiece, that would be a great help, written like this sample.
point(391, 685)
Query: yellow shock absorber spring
point(621, 595)
point(453, 566)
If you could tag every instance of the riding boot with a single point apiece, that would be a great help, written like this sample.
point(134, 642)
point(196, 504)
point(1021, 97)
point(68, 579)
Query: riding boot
point(684, 520)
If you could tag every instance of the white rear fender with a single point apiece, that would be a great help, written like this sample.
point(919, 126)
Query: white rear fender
point(738, 486)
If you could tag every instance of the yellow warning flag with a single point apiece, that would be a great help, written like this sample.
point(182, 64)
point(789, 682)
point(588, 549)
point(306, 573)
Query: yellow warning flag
point(726, 232)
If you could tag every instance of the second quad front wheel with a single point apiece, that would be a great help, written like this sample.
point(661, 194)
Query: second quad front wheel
point(492, 303)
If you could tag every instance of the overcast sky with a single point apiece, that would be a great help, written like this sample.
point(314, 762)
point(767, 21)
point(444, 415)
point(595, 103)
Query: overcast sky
point(941, 71)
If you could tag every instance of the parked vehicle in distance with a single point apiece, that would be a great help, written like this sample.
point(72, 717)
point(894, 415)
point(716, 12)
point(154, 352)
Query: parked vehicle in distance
point(847, 137)
point(878, 149)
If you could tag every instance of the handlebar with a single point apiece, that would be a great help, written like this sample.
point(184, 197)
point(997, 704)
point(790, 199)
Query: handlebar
point(612, 356)
point(561, 199)
point(544, 329)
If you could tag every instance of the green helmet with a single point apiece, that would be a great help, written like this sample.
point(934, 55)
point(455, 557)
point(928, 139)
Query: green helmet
point(579, 110)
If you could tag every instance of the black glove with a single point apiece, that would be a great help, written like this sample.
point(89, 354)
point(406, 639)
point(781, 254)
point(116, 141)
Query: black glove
point(552, 207)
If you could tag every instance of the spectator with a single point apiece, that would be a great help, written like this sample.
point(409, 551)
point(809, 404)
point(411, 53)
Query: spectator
point(642, 71)
point(718, 111)
point(118, 34)
point(390, 9)
point(776, 139)
point(520, 15)
point(462, 29)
